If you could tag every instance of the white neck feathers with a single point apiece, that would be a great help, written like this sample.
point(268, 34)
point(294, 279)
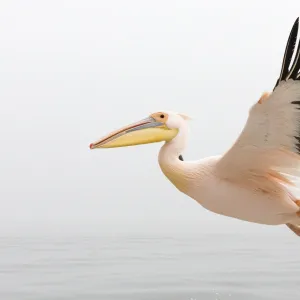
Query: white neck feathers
point(173, 168)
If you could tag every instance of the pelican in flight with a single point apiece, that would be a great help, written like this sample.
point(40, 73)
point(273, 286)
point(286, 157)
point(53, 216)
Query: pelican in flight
point(253, 180)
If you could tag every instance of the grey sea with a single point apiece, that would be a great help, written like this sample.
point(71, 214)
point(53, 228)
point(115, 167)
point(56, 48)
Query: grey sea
point(150, 266)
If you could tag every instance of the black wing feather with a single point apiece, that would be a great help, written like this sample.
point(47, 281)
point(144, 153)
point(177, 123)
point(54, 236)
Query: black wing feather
point(296, 65)
point(289, 51)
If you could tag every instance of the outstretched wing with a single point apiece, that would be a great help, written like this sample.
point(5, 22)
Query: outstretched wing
point(269, 145)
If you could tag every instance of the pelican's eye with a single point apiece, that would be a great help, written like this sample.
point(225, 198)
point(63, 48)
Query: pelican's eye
point(162, 116)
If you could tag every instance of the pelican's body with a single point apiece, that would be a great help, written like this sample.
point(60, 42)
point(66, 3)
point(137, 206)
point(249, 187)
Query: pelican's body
point(252, 180)
point(258, 199)
point(229, 198)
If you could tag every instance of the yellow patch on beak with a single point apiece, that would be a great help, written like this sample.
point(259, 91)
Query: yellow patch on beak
point(143, 136)
point(143, 132)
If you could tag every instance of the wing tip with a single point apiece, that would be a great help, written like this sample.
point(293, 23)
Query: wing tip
point(285, 73)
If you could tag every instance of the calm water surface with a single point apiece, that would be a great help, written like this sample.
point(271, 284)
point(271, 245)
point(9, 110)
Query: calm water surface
point(139, 267)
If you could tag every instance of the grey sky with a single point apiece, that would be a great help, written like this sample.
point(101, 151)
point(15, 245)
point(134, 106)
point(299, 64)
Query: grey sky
point(72, 71)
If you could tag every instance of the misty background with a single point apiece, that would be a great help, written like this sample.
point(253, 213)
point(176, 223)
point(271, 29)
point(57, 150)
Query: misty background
point(72, 71)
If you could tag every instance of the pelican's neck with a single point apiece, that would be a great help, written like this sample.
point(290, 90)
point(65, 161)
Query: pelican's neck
point(173, 168)
point(173, 149)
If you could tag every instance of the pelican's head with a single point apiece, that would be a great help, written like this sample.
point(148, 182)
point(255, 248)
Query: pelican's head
point(158, 127)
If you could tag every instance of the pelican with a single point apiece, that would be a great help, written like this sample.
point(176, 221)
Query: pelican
point(253, 180)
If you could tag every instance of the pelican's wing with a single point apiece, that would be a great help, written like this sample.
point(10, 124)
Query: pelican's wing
point(269, 145)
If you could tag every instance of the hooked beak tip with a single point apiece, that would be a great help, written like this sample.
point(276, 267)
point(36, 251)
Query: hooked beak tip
point(91, 146)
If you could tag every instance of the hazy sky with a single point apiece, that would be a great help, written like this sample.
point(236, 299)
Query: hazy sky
point(72, 71)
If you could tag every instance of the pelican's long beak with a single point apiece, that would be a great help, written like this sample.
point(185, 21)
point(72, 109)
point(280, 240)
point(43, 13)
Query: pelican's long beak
point(143, 132)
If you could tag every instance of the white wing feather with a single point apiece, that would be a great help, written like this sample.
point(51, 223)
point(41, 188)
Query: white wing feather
point(268, 145)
